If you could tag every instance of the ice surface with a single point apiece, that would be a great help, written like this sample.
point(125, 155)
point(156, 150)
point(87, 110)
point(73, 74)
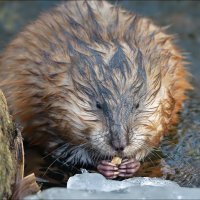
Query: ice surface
point(95, 186)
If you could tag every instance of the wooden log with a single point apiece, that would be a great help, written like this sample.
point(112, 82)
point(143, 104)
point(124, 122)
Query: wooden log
point(13, 185)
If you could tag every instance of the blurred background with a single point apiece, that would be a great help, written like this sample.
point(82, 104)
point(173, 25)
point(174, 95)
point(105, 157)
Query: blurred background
point(182, 150)
point(183, 16)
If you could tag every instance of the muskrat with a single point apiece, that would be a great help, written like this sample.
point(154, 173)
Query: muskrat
point(97, 80)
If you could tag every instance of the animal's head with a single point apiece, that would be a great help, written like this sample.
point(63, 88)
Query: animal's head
point(120, 102)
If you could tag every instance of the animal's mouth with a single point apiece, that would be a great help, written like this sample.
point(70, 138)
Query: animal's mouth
point(128, 153)
point(110, 156)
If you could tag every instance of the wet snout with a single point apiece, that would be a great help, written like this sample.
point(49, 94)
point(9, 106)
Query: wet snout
point(118, 139)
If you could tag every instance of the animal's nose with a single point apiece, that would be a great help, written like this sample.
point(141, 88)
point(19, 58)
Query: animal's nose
point(119, 145)
point(118, 139)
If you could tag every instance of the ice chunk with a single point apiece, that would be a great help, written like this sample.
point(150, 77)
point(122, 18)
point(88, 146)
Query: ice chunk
point(97, 182)
point(93, 181)
point(95, 186)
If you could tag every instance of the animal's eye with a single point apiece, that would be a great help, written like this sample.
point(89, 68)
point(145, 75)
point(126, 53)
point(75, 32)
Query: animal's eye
point(98, 105)
point(137, 106)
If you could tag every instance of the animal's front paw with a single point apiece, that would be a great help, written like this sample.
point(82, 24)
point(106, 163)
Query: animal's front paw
point(107, 169)
point(128, 168)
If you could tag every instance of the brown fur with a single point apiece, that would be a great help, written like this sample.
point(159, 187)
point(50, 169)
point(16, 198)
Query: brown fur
point(45, 87)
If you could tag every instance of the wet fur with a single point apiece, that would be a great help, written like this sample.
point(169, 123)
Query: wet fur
point(81, 52)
